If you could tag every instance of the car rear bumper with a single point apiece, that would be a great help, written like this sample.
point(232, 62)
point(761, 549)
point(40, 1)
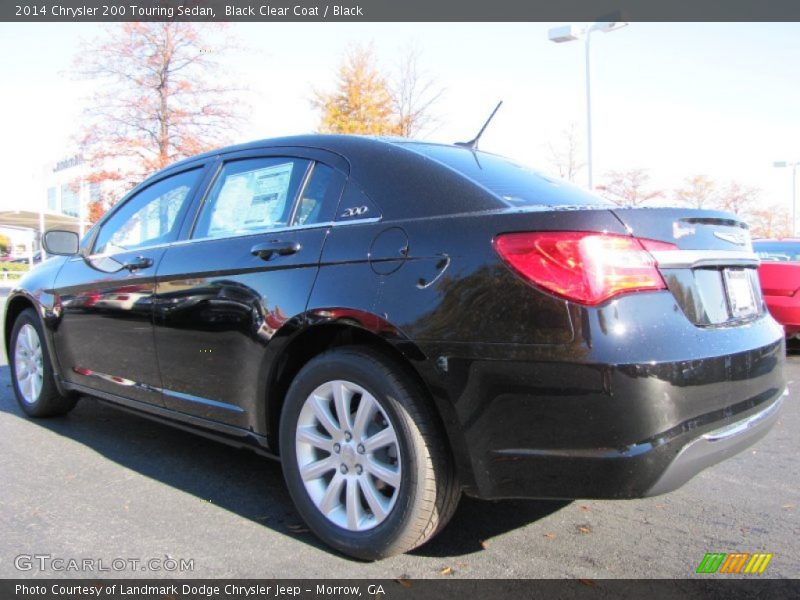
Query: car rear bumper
point(715, 446)
point(551, 429)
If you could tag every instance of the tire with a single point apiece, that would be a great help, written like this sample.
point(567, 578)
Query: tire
point(37, 393)
point(380, 498)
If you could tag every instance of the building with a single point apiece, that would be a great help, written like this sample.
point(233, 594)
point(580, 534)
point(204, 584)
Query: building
point(67, 191)
point(63, 203)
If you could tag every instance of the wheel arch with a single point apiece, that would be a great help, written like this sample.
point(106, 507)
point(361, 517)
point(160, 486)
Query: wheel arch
point(315, 340)
point(14, 307)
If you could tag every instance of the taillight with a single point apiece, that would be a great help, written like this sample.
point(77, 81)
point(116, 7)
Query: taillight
point(586, 267)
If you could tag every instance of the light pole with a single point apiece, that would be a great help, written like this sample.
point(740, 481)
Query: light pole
point(571, 33)
point(793, 165)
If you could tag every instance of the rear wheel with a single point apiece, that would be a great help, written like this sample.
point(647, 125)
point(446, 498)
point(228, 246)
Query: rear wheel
point(363, 457)
point(31, 371)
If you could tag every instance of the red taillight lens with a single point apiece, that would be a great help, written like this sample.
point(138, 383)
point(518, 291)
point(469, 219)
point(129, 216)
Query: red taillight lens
point(582, 266)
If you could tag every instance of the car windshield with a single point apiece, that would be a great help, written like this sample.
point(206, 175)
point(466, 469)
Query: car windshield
point(515, 184)
point(778, 251)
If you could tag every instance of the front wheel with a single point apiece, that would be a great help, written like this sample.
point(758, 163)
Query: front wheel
point(31, 371)
point(363, 456)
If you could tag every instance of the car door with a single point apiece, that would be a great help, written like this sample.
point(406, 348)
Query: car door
point(245, 270)
point(104, 339)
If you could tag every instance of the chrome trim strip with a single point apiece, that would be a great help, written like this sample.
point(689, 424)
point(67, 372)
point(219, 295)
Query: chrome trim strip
point(230, 237)
point(704, 258)
point(205, 401)
point(734, 429)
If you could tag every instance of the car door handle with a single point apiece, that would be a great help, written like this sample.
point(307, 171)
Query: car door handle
point(140, 262)
point(267, 250)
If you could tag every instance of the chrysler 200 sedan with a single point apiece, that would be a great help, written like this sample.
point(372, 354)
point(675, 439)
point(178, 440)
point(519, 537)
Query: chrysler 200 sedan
point(401, 323)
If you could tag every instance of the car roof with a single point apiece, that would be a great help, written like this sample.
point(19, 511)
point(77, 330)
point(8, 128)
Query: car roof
point(402, 182)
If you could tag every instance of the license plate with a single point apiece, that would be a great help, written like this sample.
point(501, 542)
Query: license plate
point(740, 293)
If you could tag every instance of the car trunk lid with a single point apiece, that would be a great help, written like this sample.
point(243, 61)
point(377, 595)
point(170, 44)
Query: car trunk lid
point(710, 267)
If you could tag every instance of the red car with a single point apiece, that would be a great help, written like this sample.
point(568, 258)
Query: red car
point(780, 281)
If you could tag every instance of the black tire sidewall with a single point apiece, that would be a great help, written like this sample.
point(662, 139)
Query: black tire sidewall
point(376, 542)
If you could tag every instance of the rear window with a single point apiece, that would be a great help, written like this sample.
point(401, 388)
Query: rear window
point(515, 184)
point(778, 251)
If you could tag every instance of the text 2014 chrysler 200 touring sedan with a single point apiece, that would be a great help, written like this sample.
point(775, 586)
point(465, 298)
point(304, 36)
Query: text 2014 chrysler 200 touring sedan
point(402, 322)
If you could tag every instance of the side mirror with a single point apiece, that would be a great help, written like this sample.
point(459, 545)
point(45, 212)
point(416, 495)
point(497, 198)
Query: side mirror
point(61, 243)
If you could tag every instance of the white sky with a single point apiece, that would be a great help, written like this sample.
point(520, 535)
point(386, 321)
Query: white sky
point(677, 99)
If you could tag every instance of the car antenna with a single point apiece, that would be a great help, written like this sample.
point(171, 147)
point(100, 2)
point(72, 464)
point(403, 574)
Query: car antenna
point(473, 144)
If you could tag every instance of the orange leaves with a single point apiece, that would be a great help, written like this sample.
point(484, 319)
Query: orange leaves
point(159, 97)
point(362, 102)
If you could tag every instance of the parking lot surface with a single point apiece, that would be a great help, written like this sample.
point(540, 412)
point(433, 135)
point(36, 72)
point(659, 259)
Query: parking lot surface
point(101, 484)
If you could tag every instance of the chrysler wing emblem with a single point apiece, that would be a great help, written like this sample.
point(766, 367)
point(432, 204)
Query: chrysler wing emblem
point(734, 237)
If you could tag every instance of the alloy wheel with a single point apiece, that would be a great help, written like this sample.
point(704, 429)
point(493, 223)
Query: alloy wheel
point(28, 363)
point(348, 455)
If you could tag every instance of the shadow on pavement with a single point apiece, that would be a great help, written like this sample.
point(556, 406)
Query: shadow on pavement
point(478, 521)
point(242, 482)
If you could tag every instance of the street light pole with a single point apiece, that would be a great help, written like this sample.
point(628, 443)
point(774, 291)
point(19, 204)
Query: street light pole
point(589, 111)
point(571, 33)
point(794, 165)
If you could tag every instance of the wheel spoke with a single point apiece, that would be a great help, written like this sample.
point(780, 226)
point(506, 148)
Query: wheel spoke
point(385, 437)
point(353, 504)
point(29, 334)
point(348, 455)
point(330, 500)
point(373, 497)
point(323, 414)
point(383, 472)
point(341, 400)
point(317, 469)
point(35, 386)
point(310, 435)
point(366, 408)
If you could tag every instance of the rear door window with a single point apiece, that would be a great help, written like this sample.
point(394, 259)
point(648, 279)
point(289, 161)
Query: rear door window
point(319, 197)
point(251, 195)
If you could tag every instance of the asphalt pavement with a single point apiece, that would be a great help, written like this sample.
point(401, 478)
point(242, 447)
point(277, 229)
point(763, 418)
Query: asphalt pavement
point(103, 485)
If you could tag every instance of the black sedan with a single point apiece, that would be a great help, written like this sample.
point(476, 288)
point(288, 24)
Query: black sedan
point(403, 322)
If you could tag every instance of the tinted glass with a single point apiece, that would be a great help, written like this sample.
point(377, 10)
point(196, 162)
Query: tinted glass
point(516, 184)
point(149, 217)
point(251, 195)
point(778, 251)
point(314, 205)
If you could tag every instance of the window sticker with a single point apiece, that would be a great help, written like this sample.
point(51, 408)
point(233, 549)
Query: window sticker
point(252, 200)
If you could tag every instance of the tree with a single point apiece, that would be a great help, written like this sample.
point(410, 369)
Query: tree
point(5, 244)
point(413, 95)
point(771, 222)
point(737, 198)
point(698, 191)
point(628, 188)
point(362, 102)
point(564, 156)
point(160, 97)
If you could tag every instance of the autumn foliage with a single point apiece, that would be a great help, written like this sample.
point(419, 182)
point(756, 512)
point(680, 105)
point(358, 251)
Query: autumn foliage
point(629, 188)
point(159, 98)
point(368, 102)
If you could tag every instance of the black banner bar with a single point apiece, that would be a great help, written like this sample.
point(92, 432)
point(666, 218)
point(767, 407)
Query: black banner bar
point(398, 10)
point(709, 588)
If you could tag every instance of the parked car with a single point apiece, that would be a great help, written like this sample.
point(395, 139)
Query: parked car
point(37, 258)
point(401, 322)
point(780, 281)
